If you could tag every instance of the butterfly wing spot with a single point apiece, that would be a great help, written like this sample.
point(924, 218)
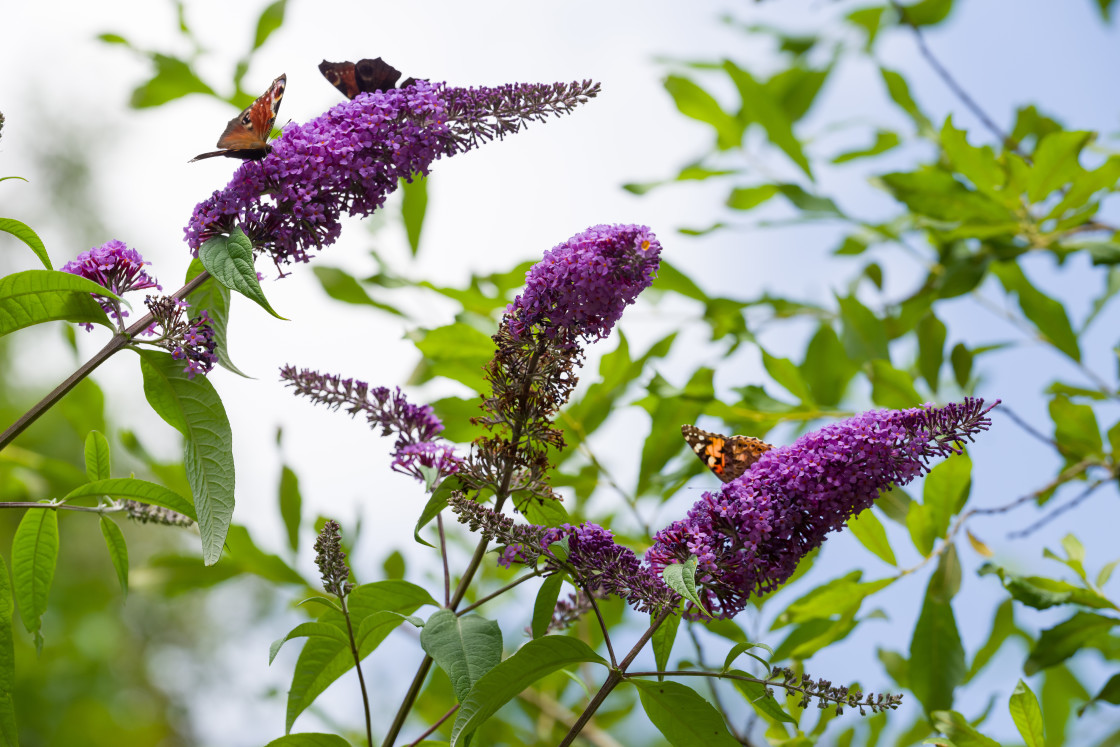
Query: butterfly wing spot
point(246, 135)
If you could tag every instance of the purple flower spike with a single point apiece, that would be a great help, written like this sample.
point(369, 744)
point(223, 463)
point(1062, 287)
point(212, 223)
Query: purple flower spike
point(750, 535)
point(116, 267)
point(580, 287)
point(348, 160)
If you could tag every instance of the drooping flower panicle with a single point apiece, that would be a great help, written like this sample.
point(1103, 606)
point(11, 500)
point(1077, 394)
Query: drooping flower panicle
point(416, 426)
point(751, 534)
point(192, 340)
point(580, 287)
point(348, 160)
point(116, 267)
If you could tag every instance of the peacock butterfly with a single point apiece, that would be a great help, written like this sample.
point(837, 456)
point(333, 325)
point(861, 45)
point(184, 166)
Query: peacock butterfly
point(246, 135)
point(363, 76)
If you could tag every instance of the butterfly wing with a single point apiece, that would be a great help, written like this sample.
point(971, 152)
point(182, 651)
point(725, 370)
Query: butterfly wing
point(246, 135)
point(342, 76)
point(728, 457)
point(375, 75)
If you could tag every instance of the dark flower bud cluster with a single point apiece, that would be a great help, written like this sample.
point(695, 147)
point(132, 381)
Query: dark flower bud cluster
point(116, 267)
point(331, 560)
point(186, 339)
point(349, 159)
point(146, 513)
point(751, 534)
point(416, 426)
point(828, 696)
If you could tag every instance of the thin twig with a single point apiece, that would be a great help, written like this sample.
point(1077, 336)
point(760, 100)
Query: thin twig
point(499, 592)
point(358, 666)
point(602, 624)
point(434, 726)
point(1077, 500)
point(443, 557)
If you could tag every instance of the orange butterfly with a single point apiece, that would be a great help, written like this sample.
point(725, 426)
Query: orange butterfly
point(727, 456)
point(246, 135)
point(364, 76)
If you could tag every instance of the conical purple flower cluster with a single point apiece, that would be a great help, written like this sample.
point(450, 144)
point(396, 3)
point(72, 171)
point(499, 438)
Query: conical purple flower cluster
point(750, 535)
point(580, 288)
point(116, 267)
point(348, 160)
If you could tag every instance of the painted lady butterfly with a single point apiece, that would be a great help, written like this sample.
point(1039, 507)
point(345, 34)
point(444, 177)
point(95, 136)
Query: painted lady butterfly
point(727, 456)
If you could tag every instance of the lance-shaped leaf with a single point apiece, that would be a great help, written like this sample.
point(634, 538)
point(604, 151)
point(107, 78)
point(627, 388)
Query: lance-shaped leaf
point(375, 611)
point(545, 604)
point(136, 490)
point(682, 716)
point(97, 456)
point(118, 550)
point(213, 298)
point(466, 648)
point(35, 296)
point(536, 659)
point(193, 407)
point(34, 556)
point(309, 739)
point(230, 260)
point(24, 233)
point(681, 578)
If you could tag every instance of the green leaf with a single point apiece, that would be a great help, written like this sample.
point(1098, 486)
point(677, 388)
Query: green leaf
point(826, 367)
point(759, 106)
point(663, 639)
point(308, 630)
point(978, 165)
point(937, 663)
point(1055, 163)
point(1076, 429)
point(1110, 693)
point(681, 578)
point(946, 490)
point(1027, 715)
point(36, 296)
point(961, 360)
point(457, 351)
point(375, 610)
point(866, 527)
point(931, 333)
point(118, 550)
point(1003, 626)
point(173, 79)
point(466, 647)
point(9, 735)
point(97, 456)
point(414, 206)
point(34, 557)
point(1062, 641)
point(536, 659)
point(884, 141)
point(745, 647)
point(213, 297)
point(682, 716)
point(25, 234)
point(696, 103)
point(891, 387)
point(963, 734)
point(230, 260)
point(193, 407)
point(291, 503)
point(136, 490)
point(784, 372)
point(342, 286)
point(863, 334)
point(762, 701)
point(746, 198)
point(545, 604)
point(309, 739)
point(271, 18)
point(436, 503)
point(840, 597)
point(927, 12)
point(1047, 314)
point(899, 91)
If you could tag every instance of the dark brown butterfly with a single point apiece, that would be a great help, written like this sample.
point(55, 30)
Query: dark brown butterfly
point(246, 135)
point(363, 76)
point(727, 456)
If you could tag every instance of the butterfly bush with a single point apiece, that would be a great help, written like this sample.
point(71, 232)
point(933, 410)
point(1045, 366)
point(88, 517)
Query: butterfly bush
point(580, 287)
point(116, 267)
point(750, 535)
point(416, 426)
point(349, 159)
